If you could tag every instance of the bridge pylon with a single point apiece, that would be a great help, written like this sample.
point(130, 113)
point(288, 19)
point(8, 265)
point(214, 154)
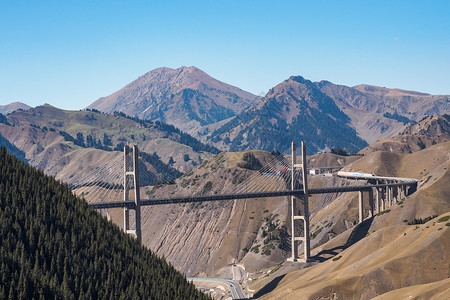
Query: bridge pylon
point(134, 172)
point(294, 212)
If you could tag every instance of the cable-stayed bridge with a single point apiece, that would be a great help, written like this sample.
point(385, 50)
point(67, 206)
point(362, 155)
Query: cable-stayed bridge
point(129, 181)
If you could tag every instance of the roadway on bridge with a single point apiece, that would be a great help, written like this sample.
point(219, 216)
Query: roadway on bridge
point(235, 288)
point(222, 197)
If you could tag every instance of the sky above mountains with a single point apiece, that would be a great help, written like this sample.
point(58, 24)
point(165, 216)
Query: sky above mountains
point(71, 53)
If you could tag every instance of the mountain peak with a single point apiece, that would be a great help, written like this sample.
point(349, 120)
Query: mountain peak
point(9, 108)
point(185, 97)
point(299, 79)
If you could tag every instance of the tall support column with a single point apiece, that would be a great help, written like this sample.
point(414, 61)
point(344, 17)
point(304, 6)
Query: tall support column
point(383, 198)
point(377, 200)
point(370, 203)
point(305, 197)
point(360, 207)
point(389, 194)
point(294, 241)
point(126, 213)
point(137, 195)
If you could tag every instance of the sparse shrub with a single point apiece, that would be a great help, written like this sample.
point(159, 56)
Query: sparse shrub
point(250, 162)
point(207, 187)
point(443, 219)
point(384, 212)
point(339, 151)
point(337, 258)
point(422, 221)
point(314, 235)
point(255, 249)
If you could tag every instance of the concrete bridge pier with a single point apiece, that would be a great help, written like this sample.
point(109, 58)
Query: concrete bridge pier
point(383, 198)
point(361, 206)
point(377, 198)
point(389, 194)
point(371, 210)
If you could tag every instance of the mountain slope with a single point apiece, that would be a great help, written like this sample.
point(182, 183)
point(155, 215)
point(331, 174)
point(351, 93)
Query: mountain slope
point(185, 97)
point(387, 259)
point(295, 109)
point(9, 108)
point(429, 131)
point(67, 143)
point(55, 246)
point(377, 112)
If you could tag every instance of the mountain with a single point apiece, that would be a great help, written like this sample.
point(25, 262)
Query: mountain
point(293, 110)
point(429, 131)
point(68, 143)
point(431, 126)
point(185, 97)
point(55, 246)
point(9, 108)
point(12, 149)
point(378, 112)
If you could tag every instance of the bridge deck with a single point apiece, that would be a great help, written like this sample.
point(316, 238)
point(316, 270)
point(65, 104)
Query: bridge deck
point(224, 197)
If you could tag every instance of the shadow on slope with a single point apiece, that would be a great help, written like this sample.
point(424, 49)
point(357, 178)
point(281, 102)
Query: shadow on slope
point(358, 233)
point(268, 287)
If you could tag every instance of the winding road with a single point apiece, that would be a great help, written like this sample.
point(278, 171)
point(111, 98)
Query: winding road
point(234, 286)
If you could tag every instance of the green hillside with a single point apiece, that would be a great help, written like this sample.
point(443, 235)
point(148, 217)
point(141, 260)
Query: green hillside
point(53, 246)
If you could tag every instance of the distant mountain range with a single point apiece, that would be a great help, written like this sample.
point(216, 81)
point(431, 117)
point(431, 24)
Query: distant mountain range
point(378, 112)
point(326, 115)
point(429, 131)
point(185, 97)
point(64, 143)
point(9, 108)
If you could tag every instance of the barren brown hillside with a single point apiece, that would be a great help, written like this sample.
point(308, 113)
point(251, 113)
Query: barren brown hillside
point(431, 130)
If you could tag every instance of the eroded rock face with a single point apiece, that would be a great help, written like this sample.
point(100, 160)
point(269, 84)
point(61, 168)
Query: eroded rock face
point(429, 131)
point(378, 112)
point(294, 108)
point(185, 97)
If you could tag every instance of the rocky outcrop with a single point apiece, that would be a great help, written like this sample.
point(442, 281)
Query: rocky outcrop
point(185, 97)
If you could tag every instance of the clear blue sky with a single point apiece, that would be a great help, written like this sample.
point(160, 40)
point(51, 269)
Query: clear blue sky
point(70, 53)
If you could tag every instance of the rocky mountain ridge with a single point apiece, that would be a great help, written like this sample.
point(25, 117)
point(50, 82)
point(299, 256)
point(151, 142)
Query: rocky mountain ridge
point(185, 97)
point(11, 107)
point(294, 109)
point(431, 130)
point(64, 143)
point(378, 112)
